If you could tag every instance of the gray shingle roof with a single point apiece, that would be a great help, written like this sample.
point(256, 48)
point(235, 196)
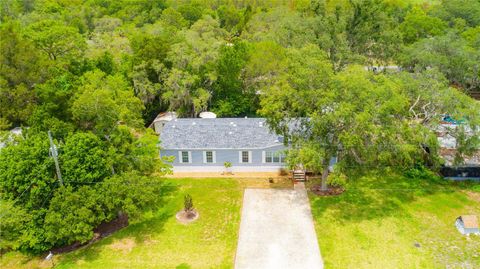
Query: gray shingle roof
point(219, 133)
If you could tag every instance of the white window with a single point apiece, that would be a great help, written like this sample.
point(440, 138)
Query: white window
point(185, 156)
point(245, 157)
point(274, 157)
point(209, 157)
point(268, 156)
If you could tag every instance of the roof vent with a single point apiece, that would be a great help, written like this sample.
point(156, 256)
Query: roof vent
point(194, 123)
point(230, 133)
point(231, 123)
point(207, 115)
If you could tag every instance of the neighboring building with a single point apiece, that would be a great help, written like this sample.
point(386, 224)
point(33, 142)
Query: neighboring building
point(467, 224)
point(17, 131)
point(161, 120)
point(470, 169)
point(205, 144)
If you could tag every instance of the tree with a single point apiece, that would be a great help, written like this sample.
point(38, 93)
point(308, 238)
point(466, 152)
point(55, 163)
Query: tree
point(27, 171)
point(172, 18)
point(13, 221)
point(230, 96)
point(188, 86)
point(330, 28)
point(450, 54)
point(148, 82)
point(452, 10)
point(192, 12)
point(38, 213)
point(17, 104)
point(56, 39)
point(102, 102)
point(131, 151)
point(133, 194)
point(183, 93)
point(198, 48)
point(84, 158)
point(229, 17)
point(418, 25)
point(361, 118)
point(187, 203)
point(18, 54)
point(287, 29)
point(72, 215)
point(370, 31)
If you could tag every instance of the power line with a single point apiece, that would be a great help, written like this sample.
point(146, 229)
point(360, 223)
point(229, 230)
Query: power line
point(23, 192)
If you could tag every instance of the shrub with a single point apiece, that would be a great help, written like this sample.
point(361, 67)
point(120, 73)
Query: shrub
point(188, 203)
point(420, 172)
point(337, 179)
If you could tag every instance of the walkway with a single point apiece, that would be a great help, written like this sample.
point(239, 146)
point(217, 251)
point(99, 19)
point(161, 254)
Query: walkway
point(276, 231)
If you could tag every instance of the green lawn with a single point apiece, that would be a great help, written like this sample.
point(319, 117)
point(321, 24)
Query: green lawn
point(378, 220)
point(374, 224)
point(160, 241)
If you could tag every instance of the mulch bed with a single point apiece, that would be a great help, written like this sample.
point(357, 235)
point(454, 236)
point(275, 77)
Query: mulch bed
point(102, 230)
point(187, 217)
point(331, 191)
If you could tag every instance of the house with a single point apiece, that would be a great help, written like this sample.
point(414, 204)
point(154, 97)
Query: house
point(467, 224)
point(206, 144)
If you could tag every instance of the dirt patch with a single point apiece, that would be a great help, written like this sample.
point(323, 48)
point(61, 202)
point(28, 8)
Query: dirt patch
point(186, 217)
point(473, 195)
point(331, 191)
point(267, 183)
point(125, 245)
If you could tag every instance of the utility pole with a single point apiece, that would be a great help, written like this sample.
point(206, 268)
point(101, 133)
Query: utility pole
point(54, 152)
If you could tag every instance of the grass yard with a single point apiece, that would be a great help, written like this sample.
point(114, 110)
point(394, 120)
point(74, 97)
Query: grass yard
point(379, 219)
point(160, 241)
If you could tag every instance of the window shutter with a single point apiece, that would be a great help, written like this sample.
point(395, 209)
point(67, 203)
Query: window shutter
point(249, 157)
point(180, 157)
point(240, 156)
point(189, 157)
point(214, 156)
point(263, 156)
point(204, 156)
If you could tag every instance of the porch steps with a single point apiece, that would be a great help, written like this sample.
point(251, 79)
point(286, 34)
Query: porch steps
point(299, 175)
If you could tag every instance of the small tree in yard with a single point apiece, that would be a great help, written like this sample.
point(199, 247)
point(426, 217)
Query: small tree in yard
point(227, 165)
point(187, 203)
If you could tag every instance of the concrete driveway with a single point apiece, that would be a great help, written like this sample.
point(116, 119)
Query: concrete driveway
point(276, 231)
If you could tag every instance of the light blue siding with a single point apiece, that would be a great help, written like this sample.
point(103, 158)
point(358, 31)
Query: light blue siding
point(224, 155)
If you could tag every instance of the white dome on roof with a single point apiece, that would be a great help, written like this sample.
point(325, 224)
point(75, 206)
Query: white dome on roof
point(207, 115)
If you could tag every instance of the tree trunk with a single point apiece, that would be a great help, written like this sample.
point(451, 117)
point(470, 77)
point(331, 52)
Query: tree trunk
point(325, 172)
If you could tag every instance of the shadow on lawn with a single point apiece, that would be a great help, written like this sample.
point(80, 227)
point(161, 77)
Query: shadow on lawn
point(377, 195)
point(140, 231)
